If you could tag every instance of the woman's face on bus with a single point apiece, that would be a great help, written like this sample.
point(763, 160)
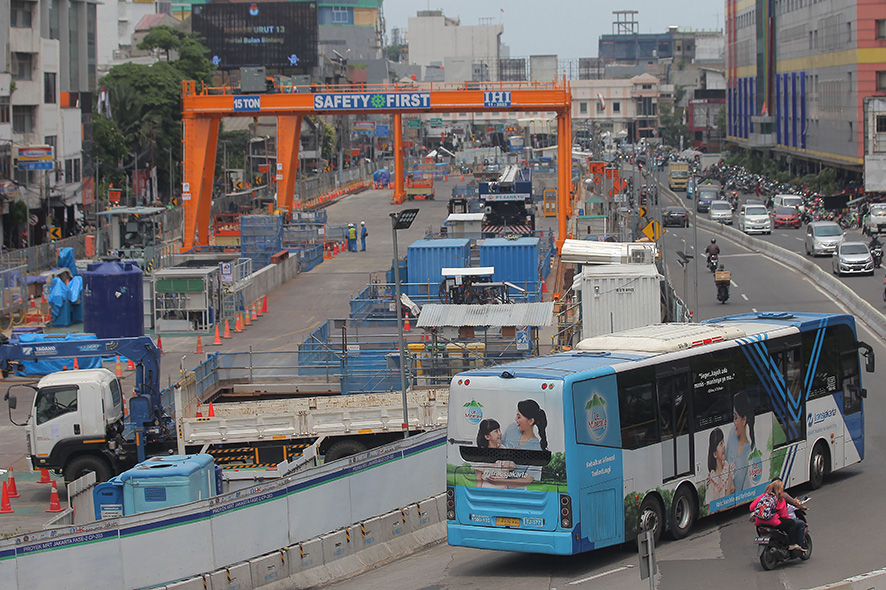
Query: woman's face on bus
point(740, 423)
point(494, 438)
point(524, 424)
point(720, 452)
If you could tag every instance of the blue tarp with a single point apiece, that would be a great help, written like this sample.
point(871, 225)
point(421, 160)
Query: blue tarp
point(47, 366)
point(66, 260)
point(59, 306)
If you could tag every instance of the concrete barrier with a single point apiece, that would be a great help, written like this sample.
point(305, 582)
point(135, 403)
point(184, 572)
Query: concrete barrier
point(269, 568)
point(875, 580)
point(863, 310)
point(234, 577)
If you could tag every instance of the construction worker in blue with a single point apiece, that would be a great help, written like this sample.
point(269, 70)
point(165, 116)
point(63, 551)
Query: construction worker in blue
point(352, 238)
point(363, 233)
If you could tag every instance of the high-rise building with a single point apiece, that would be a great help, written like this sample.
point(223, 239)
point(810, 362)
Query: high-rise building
point(798, 76)
point(48, 102)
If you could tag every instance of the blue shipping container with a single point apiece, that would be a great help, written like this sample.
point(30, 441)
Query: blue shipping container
point(426, 258)
point(515, 261)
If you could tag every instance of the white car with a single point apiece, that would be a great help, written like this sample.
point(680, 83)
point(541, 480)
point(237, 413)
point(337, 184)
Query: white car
point(875, 220)
point(822, 237)
point(721, 212)
point(852, 258)
point(754, 219)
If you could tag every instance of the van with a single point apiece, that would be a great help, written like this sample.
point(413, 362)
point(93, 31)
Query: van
point(792, 201)
point(822, 237)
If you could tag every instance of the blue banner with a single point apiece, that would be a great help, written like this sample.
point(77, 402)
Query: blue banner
point(381, 131)
point(372, 101)
point(497, 99)
point(247, 103)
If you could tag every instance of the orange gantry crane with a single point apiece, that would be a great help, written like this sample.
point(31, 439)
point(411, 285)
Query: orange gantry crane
point(203, 109)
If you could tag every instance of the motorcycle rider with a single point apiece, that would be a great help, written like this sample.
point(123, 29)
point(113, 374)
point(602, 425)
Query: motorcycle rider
point(876, 246)
point(712, 250)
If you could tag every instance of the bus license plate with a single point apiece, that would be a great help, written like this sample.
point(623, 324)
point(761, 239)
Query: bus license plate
point(502, 521)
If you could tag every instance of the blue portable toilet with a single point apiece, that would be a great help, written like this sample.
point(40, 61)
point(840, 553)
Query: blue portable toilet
point(169, 480)
point(108, 499)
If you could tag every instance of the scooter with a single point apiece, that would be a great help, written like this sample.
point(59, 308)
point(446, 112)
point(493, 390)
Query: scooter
point(712, 262)
point(877, 254)
point(773, 543)
point(723, 292)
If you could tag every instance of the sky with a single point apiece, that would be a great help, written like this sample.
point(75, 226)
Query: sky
point(568, 28)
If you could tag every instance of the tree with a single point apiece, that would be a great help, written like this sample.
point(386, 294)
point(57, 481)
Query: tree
point(672, 126)
point(162, 37)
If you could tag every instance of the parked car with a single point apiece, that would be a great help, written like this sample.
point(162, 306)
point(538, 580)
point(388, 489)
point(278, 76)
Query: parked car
point(676, 216)
point(721, 212)
point(822, 237)
point(786, 217)
point(754, 219)
point(852, 258)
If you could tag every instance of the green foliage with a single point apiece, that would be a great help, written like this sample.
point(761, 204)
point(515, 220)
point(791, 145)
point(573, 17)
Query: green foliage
point(18, 212)
point(703, 508)
point(397, 52)
point(776, 459)
point(162, 37)
point(555, 470)
point(672, 127)
point(721, 120)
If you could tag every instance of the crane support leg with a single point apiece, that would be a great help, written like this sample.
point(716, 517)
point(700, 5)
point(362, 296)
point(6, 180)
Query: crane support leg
point(288, 138)
point(201, 142)
point(399, 161)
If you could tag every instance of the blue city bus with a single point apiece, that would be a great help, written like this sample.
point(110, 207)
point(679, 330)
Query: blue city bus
point(664, 424)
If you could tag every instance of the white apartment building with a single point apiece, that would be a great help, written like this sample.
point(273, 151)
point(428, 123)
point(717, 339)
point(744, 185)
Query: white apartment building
point(471, 52)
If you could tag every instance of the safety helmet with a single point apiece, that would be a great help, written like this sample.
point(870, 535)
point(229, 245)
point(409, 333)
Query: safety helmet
point(713, 240)
point(362, 223)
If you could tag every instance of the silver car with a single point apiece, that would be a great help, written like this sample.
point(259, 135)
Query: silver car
point(852, 258)
point(822, 237)
point(721, 212)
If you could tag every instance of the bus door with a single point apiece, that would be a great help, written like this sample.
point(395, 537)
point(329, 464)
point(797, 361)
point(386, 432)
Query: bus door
point(853, 438)
point(675, 422)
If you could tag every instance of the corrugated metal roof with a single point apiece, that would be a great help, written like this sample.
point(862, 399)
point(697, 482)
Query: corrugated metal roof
point(437, 315)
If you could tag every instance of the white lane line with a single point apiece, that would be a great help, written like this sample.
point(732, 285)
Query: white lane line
point(733, 283)
point(754, 309)
point(589, 578)
point(743, 296)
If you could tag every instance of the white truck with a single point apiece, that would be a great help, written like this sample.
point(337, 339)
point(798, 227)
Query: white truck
point(875, 221)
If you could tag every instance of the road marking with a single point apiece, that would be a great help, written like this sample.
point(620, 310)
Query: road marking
point(733, 283)
point(594, 577)
point(754, 309)
point(743, 296)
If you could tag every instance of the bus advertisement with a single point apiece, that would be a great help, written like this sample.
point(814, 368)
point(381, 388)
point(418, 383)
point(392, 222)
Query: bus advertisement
point(663, 424)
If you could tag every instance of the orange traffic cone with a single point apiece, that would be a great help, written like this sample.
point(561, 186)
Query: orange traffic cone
point(199, 411)
point(406, 326)
point(237, 327)
point(211, 413)
point(264, 305)
point(44, 476)
point(118, 370)
point(160, 344)
point(246, 319)
point(199, 345)
point(76, 364)
point(217, 341)
point(227, 329)
point(33, 304)
point(13, 493)
point(130, 366)
point(5, 506)
point(252, 312)
point(544, 287)
point(54, 504)
point(257, 308)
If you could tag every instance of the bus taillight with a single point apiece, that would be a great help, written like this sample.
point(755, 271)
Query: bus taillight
point(450, 503)
point(565, 511)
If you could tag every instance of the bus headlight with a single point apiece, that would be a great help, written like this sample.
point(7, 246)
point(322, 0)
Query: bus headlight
point(566, 511)
point(450, 503)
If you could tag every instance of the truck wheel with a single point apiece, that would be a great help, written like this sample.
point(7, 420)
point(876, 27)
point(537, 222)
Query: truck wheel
point(83, 464)
point(343, 448)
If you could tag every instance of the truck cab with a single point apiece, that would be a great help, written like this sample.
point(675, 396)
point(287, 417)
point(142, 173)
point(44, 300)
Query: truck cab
point(875, 220)
point(74, 413)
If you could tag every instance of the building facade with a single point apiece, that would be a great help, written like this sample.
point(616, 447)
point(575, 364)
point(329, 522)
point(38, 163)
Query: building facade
point(436, 40)
point(798, 75)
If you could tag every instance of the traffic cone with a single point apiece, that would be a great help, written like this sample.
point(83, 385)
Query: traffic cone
point(54, 504)
point(76, 364)
point(246, 319)
point(13, 493)
point(217, 341)
point(199, 345)
point(44, 476)
point(211, 413)
point(118, 370)
point(257, 309)
point(406, 326)
point(237, 327)
point(252, 311)
point(130, 366)
point(33, 304)
point(160, 343)
point(544, 287)
point(5, 506)
point(199, 411)
point(264, 305)
point(227, 329)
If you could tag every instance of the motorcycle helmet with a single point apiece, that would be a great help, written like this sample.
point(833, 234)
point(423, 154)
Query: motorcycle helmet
point(713, 240)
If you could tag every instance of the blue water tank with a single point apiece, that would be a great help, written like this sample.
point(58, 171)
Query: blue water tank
point(112, 299)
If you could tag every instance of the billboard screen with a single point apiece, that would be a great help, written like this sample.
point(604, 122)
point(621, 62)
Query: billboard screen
point(270, 34)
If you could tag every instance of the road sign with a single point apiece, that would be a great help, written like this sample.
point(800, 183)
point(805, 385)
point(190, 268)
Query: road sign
point(523, 340)
point(652, 230)
point(436, 122)
point(413, 123)
point(114, 195)
point(642, 211)
point(55, 233)
point(33, 220)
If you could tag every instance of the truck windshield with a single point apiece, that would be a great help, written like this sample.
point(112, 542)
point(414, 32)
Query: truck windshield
point(52, 402)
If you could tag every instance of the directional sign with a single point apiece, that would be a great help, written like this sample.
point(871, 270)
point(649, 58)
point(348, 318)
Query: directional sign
point(652, 231)
point(55, 233)
point(413, 123)
point(436, 122)
point(642, 211)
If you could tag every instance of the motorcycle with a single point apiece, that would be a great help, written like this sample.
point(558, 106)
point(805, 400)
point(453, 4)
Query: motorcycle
point(877, 254)
point(722, 278)
point(773, 543)
point(712, 262)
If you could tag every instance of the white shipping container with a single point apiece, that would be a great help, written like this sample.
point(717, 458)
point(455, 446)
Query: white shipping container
point(617, 297)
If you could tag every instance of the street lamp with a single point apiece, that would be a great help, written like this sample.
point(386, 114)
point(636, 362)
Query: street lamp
point(401, 220)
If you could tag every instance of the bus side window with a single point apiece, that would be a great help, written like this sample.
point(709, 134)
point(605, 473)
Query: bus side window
point(789, 363)
point(637, 408)
point(825, 379)
point(850, 370)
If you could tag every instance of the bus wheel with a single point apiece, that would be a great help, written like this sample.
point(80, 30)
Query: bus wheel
point(651, 517)
point(818, 466)
point(682, 513)
point(343, 448)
